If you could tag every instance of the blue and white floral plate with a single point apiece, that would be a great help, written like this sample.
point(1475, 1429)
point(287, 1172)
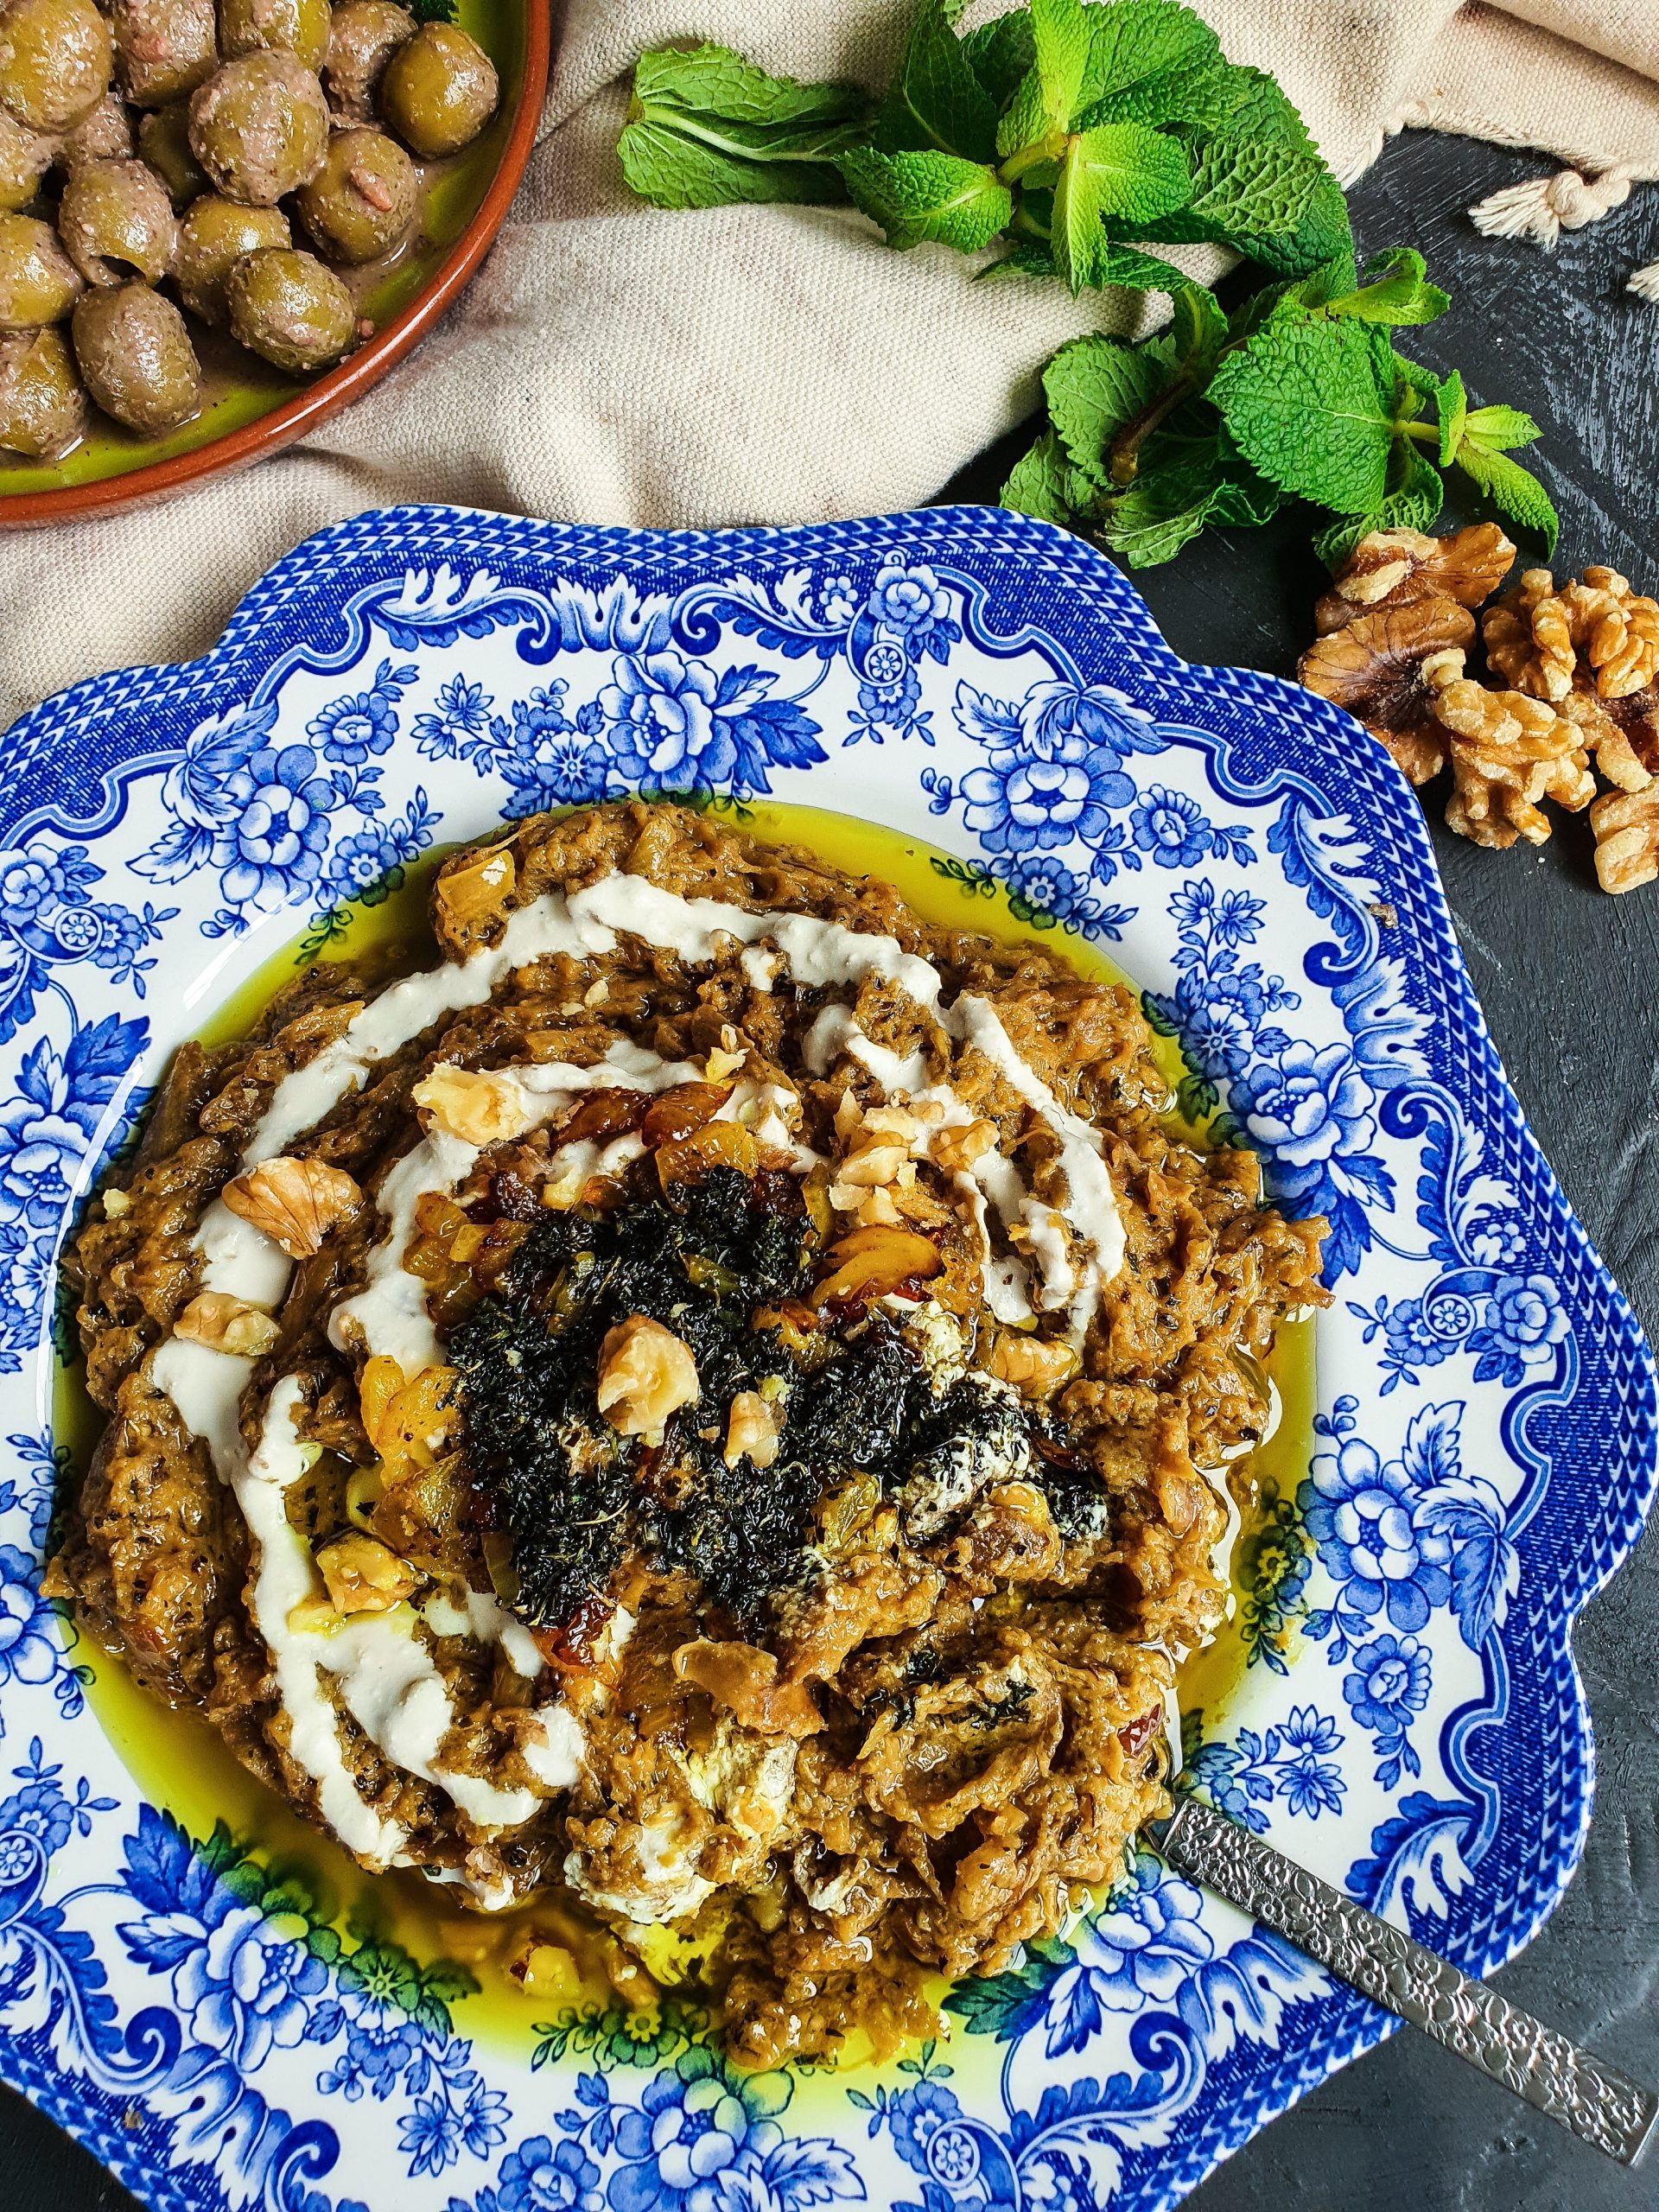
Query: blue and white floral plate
point(1411, 1724)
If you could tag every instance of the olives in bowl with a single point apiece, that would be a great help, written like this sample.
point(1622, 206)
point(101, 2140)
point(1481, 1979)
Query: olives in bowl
point(221, 219)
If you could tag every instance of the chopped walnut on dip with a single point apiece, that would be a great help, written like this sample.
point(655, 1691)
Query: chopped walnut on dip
point(1570, 690)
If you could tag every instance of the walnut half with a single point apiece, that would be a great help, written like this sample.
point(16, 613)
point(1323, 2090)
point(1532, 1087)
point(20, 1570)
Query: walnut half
point(480, 1105)
point(645, 1373)
point(1509, 752)
point(1386, 669)
point(295, 1202)
point(225, 1324)
point(1396, 568)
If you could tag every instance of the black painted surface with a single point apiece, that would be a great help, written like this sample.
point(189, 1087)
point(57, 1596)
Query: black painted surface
point(1570, 983)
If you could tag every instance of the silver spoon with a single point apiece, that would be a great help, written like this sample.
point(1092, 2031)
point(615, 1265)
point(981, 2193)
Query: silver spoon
point(1595, 2100)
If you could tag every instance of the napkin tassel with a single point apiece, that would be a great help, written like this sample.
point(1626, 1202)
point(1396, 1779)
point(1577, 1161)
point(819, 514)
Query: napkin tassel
point(1544, 207)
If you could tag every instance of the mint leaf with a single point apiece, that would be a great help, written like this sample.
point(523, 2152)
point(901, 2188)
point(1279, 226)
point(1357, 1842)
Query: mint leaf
point(1061, 41)
point(1190, 474)
point(1242, 191)
point(1194, 441)
point(1000, 54)
point(1122, 170)
point(1142, 54)
point(918, 197)
point(1093, 387)
point(1199, 329)
point(1321, 237)
point(1043, 483)
point(1402, 295)
point(1497, 428)
point(1025, 257)
point(1159, 513)
point(936, 99)
point(706, 128)
point(1313, 406)
point(1452, 404)
point(1046, 101)
point(1134, 271)
point(1514, 491)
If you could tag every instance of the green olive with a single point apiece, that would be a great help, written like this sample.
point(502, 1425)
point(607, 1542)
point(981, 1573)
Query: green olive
point(25, 157)
point(163, 48)
point(115, 222)
point(106, 135)
point(164, 142)
point(366, 33)
point(42, 409)
point(361, 203)
point(439, 91)
point(55, 62)
point(301, 26)
point(136, 359)
point(260, 127)
point(213, 237)
point(39, 283)
point(288, 306)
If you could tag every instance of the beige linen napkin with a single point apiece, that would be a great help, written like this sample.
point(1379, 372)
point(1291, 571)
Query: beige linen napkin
point(616, 363)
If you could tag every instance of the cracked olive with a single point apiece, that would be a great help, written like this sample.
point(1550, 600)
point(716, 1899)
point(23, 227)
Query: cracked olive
point(439, 89)
point(55, 62)
point(260, 127)
point(25, 157)
point(361, 203)
point(115, 222)
point(163, 48)
point(365, 35)
point(106, 135)
point(301, 26)
point(213, 237)
point(164, 142)
point(39, 283)
point(136, 359)
point(288, 306)
point(42, 408)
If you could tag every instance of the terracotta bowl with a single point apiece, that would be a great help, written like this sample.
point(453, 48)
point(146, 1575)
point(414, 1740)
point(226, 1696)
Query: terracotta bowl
point(255, 411)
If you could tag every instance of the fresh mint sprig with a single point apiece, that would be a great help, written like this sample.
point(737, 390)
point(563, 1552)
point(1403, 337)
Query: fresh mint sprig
point(1080, 136)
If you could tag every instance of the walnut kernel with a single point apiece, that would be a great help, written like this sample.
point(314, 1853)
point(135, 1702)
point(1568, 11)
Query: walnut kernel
point(1396, 567)
point(956, 1149)
point(1626, 826)
point(645, 1373)
point(225, 1323)
point(478, 890)
point(1508, 752)
point(1529, 638)
point(752, 1431)
point(481, 1106)
point(1376, 668)
point(364, 1575)
point(1616, 631)
point(294, 1202)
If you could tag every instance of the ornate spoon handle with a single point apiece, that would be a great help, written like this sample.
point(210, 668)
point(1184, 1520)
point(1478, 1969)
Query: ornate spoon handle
point(1595, 2100)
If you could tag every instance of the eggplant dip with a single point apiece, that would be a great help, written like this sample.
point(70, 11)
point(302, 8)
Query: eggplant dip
point(711, 1404)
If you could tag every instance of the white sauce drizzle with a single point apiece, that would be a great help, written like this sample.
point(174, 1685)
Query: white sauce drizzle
point(205, 1386)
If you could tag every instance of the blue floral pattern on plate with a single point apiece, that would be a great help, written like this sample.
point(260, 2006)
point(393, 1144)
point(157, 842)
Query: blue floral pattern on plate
point(1409, 1721)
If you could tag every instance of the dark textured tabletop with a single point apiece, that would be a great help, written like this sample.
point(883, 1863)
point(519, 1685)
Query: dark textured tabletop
point(1569, 979)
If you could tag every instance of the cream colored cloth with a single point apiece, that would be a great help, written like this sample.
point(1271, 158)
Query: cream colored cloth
point(615, 363)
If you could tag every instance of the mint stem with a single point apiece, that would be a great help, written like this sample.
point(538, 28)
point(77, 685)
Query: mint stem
point(1122, 455)
point(1051, 147)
